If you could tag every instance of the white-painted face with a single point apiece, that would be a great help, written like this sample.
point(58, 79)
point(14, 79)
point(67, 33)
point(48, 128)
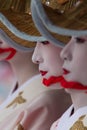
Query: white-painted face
point(6, 52)
point(74, 55)
point(47, 56)
point(11, 54)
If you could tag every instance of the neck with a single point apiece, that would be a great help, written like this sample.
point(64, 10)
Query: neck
point(79, 99)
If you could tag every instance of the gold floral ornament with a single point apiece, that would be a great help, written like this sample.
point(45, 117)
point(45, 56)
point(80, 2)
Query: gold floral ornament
point(18, 100)
point(16, 22)
point(61, 19)
point(20, 127)
point(62, 5)
point(78, 125)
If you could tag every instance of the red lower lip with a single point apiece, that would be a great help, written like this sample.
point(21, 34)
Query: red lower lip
point(11, 52)
point(65, 71)
point(43, 72)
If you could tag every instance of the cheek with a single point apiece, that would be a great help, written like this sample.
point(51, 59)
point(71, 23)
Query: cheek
point(82, 72)
point(80, 63)
point(54, 62)
point(79, 71)
point(55, 67)
point(58, 62)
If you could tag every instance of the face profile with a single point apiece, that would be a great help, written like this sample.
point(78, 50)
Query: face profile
point(74, 55)
point(47, 56)
point(6, 52)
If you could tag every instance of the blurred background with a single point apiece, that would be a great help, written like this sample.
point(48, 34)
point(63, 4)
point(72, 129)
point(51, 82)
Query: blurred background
point(7, 80)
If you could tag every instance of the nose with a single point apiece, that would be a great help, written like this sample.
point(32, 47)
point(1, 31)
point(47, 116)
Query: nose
point(66, 53)
point(36, 57)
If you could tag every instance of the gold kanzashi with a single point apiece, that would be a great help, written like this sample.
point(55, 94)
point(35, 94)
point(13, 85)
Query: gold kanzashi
point(18, 100)
point(78, 125)
point(62, 5)
point(69, 4)
point(20, 127)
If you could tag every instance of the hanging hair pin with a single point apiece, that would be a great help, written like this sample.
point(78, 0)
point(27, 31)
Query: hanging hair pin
point(47, 2)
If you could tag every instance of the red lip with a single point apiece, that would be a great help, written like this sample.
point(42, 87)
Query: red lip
point(11, 51)
point(65, 71)
point(43, 72)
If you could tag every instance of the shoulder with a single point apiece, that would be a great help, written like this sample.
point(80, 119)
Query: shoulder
point(54, 96)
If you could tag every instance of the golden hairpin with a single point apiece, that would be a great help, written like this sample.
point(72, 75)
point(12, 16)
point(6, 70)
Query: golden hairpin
point(20, 127)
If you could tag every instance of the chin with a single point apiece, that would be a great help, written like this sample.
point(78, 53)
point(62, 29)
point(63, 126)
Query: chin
point(55, 86)
point(68, 78)
point(68, 90)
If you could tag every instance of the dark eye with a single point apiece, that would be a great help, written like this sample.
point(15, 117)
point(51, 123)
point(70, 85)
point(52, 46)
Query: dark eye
point(45, 42)
point(80, 40)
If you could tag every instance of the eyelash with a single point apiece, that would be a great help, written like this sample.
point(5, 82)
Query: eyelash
point(80, 40)
point(45, 42)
